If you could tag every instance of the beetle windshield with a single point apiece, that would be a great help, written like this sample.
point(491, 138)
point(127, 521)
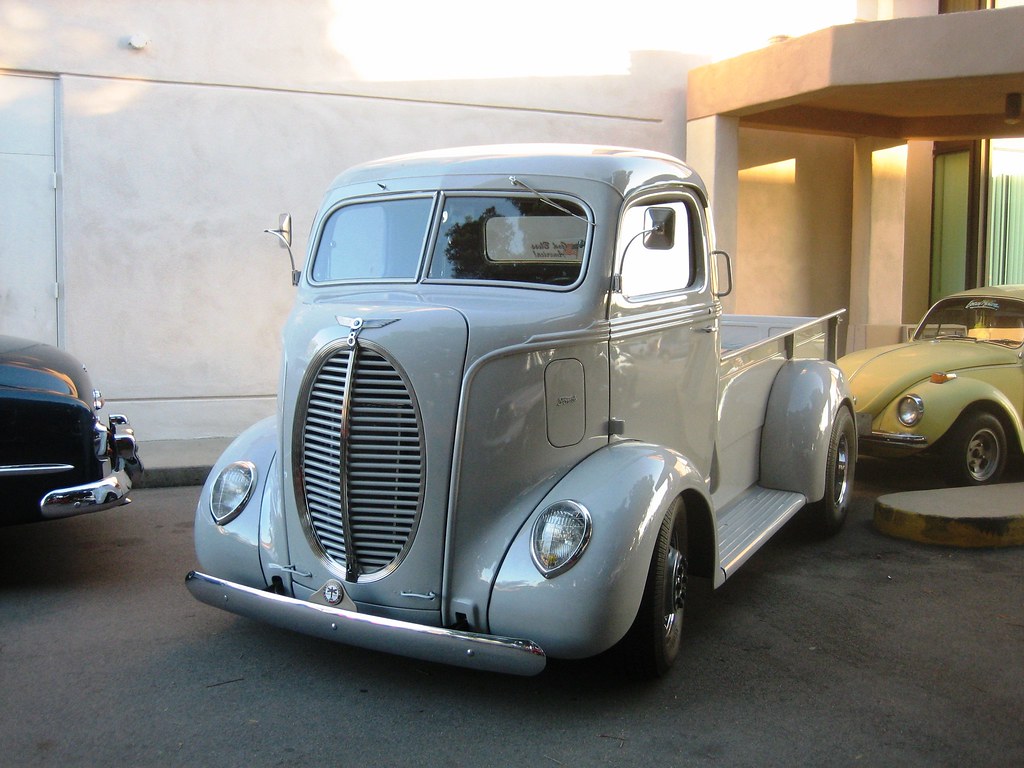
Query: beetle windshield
point(510, 239)
point(997, 320)
point(374, 240)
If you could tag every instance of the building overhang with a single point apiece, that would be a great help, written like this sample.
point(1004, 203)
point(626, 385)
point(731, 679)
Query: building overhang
point(939, 77)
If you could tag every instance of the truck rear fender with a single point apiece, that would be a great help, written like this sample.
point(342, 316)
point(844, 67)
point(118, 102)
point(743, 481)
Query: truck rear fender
point(805, 398)
point(234, 549)
point(627, 489)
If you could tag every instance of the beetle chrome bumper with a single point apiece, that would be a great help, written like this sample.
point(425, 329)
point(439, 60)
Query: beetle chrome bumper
point(891, 439)
point(445, 646)
point(869, 438)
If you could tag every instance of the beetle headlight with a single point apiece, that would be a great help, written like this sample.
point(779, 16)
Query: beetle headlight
point(909, 410)
point(559, 537)
point(232, 490)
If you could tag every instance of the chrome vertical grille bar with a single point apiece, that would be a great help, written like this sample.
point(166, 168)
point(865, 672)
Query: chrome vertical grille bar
point(361, 461)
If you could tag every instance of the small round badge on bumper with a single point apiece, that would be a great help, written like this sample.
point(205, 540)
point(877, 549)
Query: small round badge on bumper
point(332, 593)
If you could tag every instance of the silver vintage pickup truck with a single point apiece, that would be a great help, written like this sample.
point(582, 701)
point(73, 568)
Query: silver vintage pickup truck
point(513, 418)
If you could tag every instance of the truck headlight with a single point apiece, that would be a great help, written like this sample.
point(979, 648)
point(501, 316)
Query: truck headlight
point(232, 490)
point(909, 410)
point(559, 537)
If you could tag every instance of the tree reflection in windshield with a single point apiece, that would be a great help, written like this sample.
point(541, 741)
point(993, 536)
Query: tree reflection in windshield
point(511, 239)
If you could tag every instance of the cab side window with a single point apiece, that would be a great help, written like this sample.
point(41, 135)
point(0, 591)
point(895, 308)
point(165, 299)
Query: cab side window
point(658, 247)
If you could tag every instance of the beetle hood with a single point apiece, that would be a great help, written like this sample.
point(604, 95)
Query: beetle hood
point(877, 375)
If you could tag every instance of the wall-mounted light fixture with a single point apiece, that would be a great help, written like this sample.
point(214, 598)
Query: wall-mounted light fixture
point(1012, 108)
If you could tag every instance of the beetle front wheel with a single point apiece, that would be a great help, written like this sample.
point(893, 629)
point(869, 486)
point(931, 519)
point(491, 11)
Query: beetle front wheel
point(975, 450)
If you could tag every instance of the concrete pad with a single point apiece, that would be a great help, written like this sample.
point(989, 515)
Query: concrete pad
point(986, 516)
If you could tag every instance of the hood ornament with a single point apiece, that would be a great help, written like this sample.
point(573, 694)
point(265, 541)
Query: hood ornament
point(356, 324)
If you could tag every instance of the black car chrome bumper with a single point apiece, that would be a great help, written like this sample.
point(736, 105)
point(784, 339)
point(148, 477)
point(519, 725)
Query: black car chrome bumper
point(445, 646)
point(110, 491)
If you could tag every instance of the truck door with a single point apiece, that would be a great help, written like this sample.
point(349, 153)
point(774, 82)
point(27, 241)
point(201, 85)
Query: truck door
point(664, 320)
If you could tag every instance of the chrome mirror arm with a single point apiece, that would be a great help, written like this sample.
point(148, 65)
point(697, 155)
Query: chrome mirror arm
point(284, 234)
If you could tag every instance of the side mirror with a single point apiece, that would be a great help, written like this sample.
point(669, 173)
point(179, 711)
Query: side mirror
point(284, 229)
point(284, 234)
point(721, 257)
point(659, 229)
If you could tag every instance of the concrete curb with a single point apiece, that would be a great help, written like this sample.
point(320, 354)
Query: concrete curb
point(987, 516)
point(179, 462)
point(172, 477)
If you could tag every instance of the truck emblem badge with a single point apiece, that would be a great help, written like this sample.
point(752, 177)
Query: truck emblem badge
point(356, 324)
point(333, 592)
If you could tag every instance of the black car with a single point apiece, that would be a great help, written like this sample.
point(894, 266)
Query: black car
point(57, 458)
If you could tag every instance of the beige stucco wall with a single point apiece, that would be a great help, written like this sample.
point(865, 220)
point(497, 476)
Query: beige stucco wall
point(794, 223)
point(186, 126)
point(174, 157)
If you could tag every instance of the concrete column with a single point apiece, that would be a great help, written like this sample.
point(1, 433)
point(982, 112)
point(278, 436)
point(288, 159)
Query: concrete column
point(918, 251)
point(712, 149)
point(860, 245)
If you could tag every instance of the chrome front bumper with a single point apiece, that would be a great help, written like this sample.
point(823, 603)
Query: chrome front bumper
point(867, 437)
point(122, 452)
point(109, 492)
point(894, 439)
point(444, 646)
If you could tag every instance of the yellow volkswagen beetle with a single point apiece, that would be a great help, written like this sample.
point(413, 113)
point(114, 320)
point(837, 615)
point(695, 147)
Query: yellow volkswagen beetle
point(955, 390)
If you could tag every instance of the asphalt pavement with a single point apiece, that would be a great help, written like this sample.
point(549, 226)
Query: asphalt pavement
point(861, 649)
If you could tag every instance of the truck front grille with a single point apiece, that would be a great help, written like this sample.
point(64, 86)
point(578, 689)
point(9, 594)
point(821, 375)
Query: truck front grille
point(361, 461)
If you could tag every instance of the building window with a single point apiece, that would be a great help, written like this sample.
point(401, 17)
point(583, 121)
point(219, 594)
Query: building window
point(1004, 242)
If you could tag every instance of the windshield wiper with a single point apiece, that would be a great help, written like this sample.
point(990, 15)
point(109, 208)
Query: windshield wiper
point(1003, 342)
point(541, 196)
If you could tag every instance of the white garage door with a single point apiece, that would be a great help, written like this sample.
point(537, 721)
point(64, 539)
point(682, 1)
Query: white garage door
point(28, 209)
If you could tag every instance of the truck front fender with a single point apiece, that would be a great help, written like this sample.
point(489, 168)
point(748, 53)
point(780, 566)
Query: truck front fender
point(627, 488)
point(805, 398)
point(232, 551)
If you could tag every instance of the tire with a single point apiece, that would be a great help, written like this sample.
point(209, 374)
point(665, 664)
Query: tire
point(654, 639)
point(828, 515)
point(974, 450)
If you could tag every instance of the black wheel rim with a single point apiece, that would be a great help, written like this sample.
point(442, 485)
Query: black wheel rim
point(675, 589)
point(841, 475)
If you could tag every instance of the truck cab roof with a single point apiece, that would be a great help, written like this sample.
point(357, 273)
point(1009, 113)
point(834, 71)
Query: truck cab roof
point(622, 168)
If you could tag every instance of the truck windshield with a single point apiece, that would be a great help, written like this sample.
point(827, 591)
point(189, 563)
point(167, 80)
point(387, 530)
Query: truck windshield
point(998, 320)
point(510, 239)
point(375, 240)
point(493, 238)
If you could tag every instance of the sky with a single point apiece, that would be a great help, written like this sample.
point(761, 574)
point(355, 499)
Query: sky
point(558, 37)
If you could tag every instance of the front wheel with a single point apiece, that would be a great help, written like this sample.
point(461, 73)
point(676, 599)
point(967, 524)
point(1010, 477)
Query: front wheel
point(829, 514)
point(654, 639)
point(975, 450)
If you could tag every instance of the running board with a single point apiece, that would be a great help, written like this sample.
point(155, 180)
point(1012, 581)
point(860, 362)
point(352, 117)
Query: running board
point(748, 522)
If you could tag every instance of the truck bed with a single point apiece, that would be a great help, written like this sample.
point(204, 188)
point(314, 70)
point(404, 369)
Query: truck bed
point(812, 337)
point(754, 348)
